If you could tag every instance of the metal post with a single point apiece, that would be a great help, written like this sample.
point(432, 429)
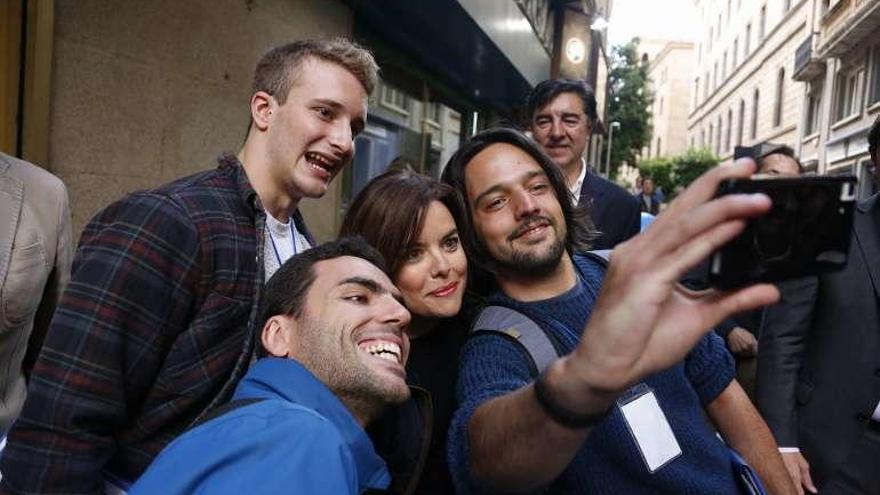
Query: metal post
point(610, 142)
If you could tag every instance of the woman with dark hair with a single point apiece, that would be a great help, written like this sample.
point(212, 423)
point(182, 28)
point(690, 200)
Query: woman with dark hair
point(412, 220)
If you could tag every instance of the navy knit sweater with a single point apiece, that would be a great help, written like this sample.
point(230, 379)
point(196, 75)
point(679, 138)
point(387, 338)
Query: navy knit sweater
point(609, 461)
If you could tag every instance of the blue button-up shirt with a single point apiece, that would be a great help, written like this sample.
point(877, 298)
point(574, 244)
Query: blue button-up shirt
point(299, 439)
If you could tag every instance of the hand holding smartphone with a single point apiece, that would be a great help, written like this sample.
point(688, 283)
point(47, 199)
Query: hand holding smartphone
point(806, 232)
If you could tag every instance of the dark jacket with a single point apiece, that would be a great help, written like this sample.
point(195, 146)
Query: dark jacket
point(615, 213)
point(819, 362)
point(412, 437)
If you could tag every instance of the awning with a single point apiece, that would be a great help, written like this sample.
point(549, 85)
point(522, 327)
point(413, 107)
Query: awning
point(442, 41)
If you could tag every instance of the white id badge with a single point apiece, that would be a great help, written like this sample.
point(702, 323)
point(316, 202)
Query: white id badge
point(649, 427)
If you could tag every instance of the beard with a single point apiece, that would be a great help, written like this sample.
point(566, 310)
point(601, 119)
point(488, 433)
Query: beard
point(534, 262)
point(361, 388)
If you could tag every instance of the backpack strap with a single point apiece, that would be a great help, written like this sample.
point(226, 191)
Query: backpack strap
point(521, 329)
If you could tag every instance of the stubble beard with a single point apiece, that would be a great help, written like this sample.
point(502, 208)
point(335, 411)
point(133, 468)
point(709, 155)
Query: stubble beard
point(531, 263)
point(362, 389)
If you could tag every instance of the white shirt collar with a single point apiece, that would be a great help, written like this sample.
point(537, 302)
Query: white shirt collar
point(579, 183)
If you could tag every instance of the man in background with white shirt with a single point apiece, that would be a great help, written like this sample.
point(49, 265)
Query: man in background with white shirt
point(562, 114)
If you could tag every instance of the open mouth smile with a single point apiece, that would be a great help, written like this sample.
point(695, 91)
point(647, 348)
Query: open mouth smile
point(388, 351)
point(324, 165)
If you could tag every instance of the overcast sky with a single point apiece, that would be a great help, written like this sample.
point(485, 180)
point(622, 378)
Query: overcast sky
point(664, 19)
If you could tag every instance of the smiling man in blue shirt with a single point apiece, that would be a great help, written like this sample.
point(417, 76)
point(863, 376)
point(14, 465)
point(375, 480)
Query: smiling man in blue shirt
point(335, 345)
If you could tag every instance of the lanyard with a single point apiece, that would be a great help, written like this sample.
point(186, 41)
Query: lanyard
point(292, 241)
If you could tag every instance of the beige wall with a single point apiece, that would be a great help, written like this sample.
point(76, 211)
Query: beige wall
point(145, 92)
point(670, 74)
point(759, 69)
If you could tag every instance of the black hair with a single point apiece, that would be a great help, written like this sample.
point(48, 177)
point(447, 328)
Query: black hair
point(547, 90)
point(285, 292)
point(783, 150)
point(580, 230)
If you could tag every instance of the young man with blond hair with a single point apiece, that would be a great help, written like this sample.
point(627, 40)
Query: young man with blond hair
point(157, 324)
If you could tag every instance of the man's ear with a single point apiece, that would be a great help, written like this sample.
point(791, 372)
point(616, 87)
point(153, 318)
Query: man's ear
point(277, 334)
point(262, 108)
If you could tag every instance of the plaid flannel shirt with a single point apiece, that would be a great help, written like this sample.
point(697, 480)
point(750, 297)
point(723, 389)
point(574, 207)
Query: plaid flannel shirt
point(155, 328)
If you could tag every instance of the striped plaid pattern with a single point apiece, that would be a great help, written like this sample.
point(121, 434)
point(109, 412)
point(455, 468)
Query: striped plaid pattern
point(155, 327)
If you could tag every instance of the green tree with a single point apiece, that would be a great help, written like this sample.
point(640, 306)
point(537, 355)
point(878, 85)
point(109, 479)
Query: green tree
point(692, 164)
point(670, 173)
point(630, 103)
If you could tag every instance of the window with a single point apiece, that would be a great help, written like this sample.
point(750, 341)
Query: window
point(814, 100)
point(729, 128)
point(786, 6)
point(660, 111)
point(715, 76)
point(395, 99)
point(724, 66)
point(747, 40)
point(432, 112)
point(659, 151)
point(762, 26)
point(711, 135)
point(702, 138)
point(827, 5)
point(718, 137)
point(740, 125)
point(755, 98)
point(696, 92)
point(709, 41)
point(718, 31)
point(735, 53)
point(706, 87)
point(875, 75)
point(849, 92)
point(780, 90)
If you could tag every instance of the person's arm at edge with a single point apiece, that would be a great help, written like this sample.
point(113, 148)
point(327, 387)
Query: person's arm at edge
point(746, 432)
point(57, 281)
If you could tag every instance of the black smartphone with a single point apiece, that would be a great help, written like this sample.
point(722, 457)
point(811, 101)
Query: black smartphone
point(806, 232)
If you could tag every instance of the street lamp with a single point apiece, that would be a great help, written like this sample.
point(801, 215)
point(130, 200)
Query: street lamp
point(600, 23)
point(610, 141)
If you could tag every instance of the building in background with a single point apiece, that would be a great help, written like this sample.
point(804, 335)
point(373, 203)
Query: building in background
point(742, 90)
point(117, 96)
point(838, 60)
point(670, 76)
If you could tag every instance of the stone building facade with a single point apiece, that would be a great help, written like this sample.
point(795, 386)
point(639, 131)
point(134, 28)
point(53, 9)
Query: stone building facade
point(742, 89)
point(838, 61)
point(670, 74)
